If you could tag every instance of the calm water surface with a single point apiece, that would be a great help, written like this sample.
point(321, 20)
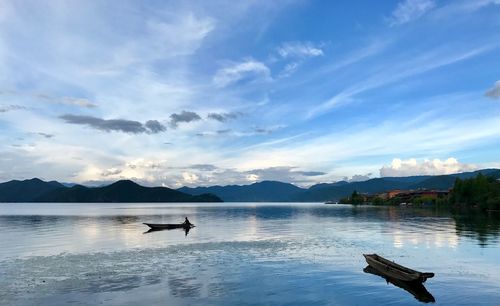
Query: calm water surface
point(275, 254)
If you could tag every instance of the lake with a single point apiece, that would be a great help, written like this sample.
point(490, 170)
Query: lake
point(245, 254)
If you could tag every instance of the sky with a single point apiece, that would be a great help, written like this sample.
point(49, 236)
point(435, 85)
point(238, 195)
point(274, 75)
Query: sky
point(219, 92)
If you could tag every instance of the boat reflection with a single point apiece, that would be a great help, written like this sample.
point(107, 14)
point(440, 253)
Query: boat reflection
point(185, 229)
point(417, 289)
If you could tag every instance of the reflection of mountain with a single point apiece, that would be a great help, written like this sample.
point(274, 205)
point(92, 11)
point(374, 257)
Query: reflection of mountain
point(122, 191)
point(417, 289)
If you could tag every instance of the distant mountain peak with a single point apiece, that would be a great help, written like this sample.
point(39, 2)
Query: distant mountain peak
point(35, 180)
point(124, 183)
point(26, 190)
point(269, 182)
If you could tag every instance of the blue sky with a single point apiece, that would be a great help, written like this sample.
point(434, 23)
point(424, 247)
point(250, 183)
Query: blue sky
point(219, 92)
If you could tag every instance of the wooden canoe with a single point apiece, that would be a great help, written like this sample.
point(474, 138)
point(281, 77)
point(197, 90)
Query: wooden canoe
point(392, 269)
point(157, 226)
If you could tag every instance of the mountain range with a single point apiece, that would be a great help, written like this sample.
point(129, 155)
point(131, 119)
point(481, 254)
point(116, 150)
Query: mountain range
point(36, 190)
point(272, 191)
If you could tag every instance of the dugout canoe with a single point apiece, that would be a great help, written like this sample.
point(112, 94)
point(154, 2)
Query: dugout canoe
point(158, 226)
point(396, 271)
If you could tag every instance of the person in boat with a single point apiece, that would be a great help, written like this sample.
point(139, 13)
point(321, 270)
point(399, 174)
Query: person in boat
point(186, 222)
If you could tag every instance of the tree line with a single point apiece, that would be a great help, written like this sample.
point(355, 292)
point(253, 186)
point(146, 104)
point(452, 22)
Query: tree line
point(481, 192)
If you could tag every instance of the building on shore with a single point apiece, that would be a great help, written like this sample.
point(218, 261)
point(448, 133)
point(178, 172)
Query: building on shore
point(407, 196)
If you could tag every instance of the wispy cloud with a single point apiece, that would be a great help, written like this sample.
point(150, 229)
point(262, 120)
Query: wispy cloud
point(223, 117)
point(494, 92)
point(263, 131)
point(410, 10)
point(343, 62)
point(7, 108)
point(115, 125)
point(230, 132)
point(289, 69)
point(81, 102)
point(184, 116)
point(111, 172)
point(456, 8)
point(249, 70)
point(398, 71)
point(204, 167)
point(299, 50)
point(225, 131)
point(154, 126)
point(310, 173)
point(296, 53)
point(73, 101)
point(194, 30)
point(46, 135)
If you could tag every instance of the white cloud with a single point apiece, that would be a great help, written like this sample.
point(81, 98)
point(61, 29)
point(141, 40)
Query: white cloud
point(299, 50)
point(409, 10)
point(494, 92)
point(411, 166)
point(252, 178)
point(190, 178)
point(249, 69)
point(358, 178)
